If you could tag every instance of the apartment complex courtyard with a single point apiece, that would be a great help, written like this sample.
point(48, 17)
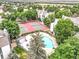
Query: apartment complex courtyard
point(45, 30)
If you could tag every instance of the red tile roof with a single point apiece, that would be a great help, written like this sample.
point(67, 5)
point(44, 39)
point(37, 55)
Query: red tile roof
point(28, 27)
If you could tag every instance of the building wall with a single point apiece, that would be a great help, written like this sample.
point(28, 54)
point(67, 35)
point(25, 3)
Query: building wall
point(0, 56)
point(6, 51)
point(24, 43)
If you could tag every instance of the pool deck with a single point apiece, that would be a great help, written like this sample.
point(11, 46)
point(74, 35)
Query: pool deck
point(27, 38)
point(52, 38)
point(49, 51)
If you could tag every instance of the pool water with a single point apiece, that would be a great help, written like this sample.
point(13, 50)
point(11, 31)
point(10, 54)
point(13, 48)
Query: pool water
point(48, 42)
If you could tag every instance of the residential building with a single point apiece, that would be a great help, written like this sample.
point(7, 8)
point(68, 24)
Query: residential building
point(4, 45)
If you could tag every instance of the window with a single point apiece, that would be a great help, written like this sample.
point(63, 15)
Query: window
point(1, 54)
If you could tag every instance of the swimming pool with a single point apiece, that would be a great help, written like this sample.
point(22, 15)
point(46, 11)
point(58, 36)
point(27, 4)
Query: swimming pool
point(48, 42)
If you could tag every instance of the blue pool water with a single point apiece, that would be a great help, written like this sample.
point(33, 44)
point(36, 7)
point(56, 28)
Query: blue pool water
point(48, 43)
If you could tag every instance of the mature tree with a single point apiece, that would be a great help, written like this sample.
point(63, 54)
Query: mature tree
point(50, 8)
point(63, 30)
point(32, 6)
point(65, 12)
point(51, 17)
point(12, 27)
point(35, 6)
point(22, 16)
point(36, 47)
point(20, 9)
point(31, 14)
point(66, 7)
point(11, 15)
point(75, 9)
point(76, 28)
point(14, 15)
point(48, 20)
point(68, 50)
point(39, 7)
point(7, 7)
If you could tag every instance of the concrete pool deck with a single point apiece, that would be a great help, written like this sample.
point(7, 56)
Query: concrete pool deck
point(49, 51)
point(25, 42)
point(51, 37)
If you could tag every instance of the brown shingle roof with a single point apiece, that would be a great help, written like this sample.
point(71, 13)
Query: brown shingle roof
point(3, 39)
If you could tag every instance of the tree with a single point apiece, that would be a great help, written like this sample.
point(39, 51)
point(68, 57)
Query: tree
point(22, 16)
point(20, 9)
point(12, 27)
point(35, 6)
point(7, 7)
point(68, 50)
point(50, 8)
point(66, 6)
point(11, 16)
point(31, 14)
point(63, 30)
point(49, 19)
point(39, 7)
point(75, 9)
point(60, 13)
point(32, 6)
point(36, 47)
point(76, 29)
